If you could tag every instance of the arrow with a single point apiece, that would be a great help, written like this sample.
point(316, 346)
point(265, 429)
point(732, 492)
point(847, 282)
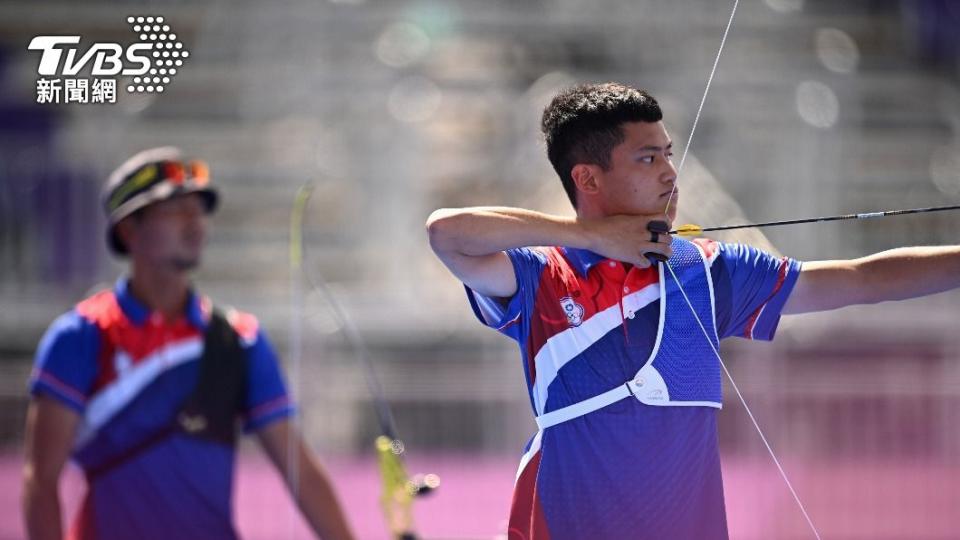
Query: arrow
point(691, 230)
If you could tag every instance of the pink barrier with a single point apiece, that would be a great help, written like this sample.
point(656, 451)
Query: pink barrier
point(849, 500)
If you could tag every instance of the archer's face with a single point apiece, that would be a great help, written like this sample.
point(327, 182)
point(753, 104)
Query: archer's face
point(641, 174)
point(171, 233)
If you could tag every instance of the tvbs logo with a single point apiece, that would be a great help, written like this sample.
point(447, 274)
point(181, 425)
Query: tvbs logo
point(106, 57)
point(151, 62)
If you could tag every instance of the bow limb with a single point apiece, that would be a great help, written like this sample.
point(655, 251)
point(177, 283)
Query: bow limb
point(398, 489)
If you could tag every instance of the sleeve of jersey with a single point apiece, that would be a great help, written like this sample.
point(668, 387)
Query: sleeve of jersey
point(267, 398)
point(505, 316)
point(65, 366)
point(751, 288)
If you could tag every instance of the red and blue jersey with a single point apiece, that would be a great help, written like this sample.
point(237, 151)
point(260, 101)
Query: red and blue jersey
point(126, 372)
point(585, 325)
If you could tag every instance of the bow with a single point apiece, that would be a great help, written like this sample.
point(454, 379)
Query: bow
point(669, 268)
point(399, 489)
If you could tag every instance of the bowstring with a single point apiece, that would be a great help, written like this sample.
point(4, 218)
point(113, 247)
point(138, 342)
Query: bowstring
point(743, 401)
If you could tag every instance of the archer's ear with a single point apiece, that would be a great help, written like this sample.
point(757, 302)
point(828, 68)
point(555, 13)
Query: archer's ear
point(126, 229)
point(585, 178)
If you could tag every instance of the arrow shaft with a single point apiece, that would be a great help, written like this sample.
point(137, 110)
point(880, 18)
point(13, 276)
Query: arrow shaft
point(844, 217)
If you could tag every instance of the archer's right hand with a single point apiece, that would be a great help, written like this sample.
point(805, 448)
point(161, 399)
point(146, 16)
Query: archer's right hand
point(626, 238)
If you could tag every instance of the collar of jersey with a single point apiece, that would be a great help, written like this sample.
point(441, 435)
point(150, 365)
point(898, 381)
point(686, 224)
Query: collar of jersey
point(138, 313)
point(582, 259)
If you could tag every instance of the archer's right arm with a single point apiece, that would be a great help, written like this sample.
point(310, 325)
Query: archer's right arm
point(64, 370)
point(49, 438)
point(471, 241)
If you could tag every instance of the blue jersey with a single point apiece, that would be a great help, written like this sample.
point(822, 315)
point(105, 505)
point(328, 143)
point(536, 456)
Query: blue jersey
point(127, 372)
point(586, 324)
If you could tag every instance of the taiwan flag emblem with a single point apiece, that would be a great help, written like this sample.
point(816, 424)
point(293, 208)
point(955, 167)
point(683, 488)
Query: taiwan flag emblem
point(572, 310)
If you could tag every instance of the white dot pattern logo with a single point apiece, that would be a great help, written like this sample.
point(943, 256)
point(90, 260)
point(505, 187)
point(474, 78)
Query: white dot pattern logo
point(152, 30)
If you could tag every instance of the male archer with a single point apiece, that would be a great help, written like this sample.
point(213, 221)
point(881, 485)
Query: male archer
point(145, 385)
point(623, 381)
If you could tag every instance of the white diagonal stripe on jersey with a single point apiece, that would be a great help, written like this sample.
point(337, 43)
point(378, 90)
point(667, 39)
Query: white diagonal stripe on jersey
point(568, 344)
point(112, 398)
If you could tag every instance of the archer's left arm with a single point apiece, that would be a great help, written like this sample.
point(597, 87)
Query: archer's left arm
point(897, 274)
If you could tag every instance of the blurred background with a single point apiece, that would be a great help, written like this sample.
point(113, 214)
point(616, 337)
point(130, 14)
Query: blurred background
point(394, 108)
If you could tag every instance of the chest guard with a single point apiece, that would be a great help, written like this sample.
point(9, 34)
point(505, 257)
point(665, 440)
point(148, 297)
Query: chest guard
point(682, 369)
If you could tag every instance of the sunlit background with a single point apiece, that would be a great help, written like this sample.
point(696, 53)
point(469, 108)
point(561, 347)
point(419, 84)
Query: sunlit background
point(393, 109)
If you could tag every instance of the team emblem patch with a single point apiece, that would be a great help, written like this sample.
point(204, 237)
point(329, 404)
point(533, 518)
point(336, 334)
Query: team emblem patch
point(572, 310)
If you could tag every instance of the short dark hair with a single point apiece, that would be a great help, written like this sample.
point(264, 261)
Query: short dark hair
point(582, 125)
